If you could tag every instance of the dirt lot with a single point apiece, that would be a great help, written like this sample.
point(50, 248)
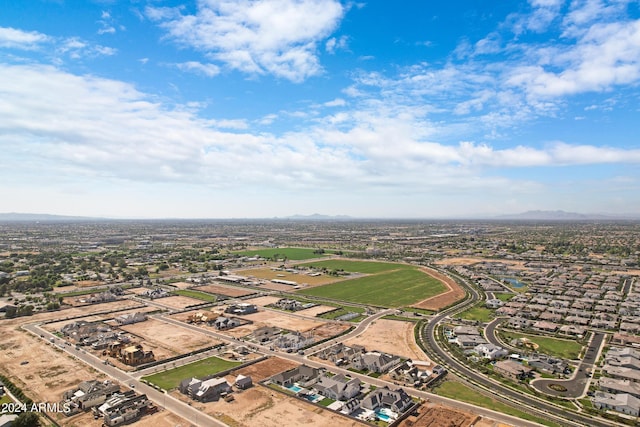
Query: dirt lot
point(262, 301)
point(314, 311)
point(440, 416)
point(159, 419)
point(437, 302)
point(179, 302)
point(168, 340)
point(225, 290)
point(328, 330)
point(48, 373)
point(282, 320)
point(268, 408)
point(390, 336)
point(265, 369)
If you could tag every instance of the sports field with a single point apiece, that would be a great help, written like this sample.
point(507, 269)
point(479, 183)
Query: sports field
point(295, 254)
point(386, 285)
point(171, 379)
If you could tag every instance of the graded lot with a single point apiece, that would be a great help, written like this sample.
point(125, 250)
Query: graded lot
point(390, 336)
point(168, 340)
point(177, 302)
point(224, 290)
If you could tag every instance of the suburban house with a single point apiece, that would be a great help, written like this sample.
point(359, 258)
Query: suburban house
point(338, 387)
point(493, 303)
point(292, 341)
point(549, 365)
point(223, 322)
point(375, 361)
point(490, 351)
point(205, 391)
point(242, 309)
point(396, 400)
point(243, 382)
point(128, 319)
point(612, 385)
point(469, 341)
point(621, 373)
point(303, 374)
point(88, 394)
point(625, 403)
point(512, 369)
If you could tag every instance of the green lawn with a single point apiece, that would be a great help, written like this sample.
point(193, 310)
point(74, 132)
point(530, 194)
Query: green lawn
point(557, 347)
point(481, 314)
point(196, 294)
point(296, 254)
point(504, 297)
point(5, 399)
point(404, 286)
point(171, 379)
point(458, 391)
point(365, 267)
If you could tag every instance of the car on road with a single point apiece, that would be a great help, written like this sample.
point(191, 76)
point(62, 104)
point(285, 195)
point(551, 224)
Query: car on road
point(132, 385)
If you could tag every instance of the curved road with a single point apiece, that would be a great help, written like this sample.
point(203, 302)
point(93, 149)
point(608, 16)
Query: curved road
point(529, 403)
point(578, 384)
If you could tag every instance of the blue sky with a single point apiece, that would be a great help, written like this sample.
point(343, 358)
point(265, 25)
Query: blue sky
point(253, 109)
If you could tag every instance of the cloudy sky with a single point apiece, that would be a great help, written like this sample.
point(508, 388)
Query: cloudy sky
point(262, 108)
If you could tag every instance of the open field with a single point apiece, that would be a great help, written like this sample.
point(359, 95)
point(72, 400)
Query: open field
point(454, 292)
point(390, 336)
point(266, 368)
point(438, 415)
point(49, 373)
point(263, 301)
point(405, 286)
point(296, 254)
point(364, 267)
point(171, 379)
point(478, 313)
point(566, 349)
point(177, 302)
point(261, 406)
point(159, 335)
point(227, 291)
point(282, 320)
point(159, 419)
point(315, 311)
point(203, 296)
point(300, 278)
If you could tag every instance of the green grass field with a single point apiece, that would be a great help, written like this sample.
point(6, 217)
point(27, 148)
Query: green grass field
point(504, 297)
point(552, 346)
point(481, 314)
point(405, 286)
point(457, 391)
point(365, 267)
point(295, 254)
point(171, 379)
point(196, 294)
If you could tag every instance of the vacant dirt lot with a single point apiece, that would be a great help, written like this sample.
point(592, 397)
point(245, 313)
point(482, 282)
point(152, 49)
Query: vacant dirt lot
point(440, 416)
point(179, 302)
point(268, 408)
point(445, 299)
point(225, 290)
point(390, 336)
point(159, 419)
point(283, 320)
point(48, 373)
point(265, 369)
point(262, 301)
point(328, 330)
point(314, 311)
point(168, 340)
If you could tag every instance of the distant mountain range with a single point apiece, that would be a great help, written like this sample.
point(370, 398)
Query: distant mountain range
point(537, 215)
point(563, 216)
point(13, 216)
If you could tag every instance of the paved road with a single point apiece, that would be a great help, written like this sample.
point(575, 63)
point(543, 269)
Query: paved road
point(528, 403)
point(578, 385)
point(161, 399)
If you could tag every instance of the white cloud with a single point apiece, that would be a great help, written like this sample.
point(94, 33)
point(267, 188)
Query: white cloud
point(338, 102)
point(209, 70)
point(18, 39)
point(256, 36)
point(334, 44)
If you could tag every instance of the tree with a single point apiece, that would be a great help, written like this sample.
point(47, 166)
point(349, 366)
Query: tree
point(27, 419)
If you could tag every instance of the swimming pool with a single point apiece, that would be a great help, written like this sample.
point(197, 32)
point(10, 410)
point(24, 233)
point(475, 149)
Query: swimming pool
point(294, 388)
